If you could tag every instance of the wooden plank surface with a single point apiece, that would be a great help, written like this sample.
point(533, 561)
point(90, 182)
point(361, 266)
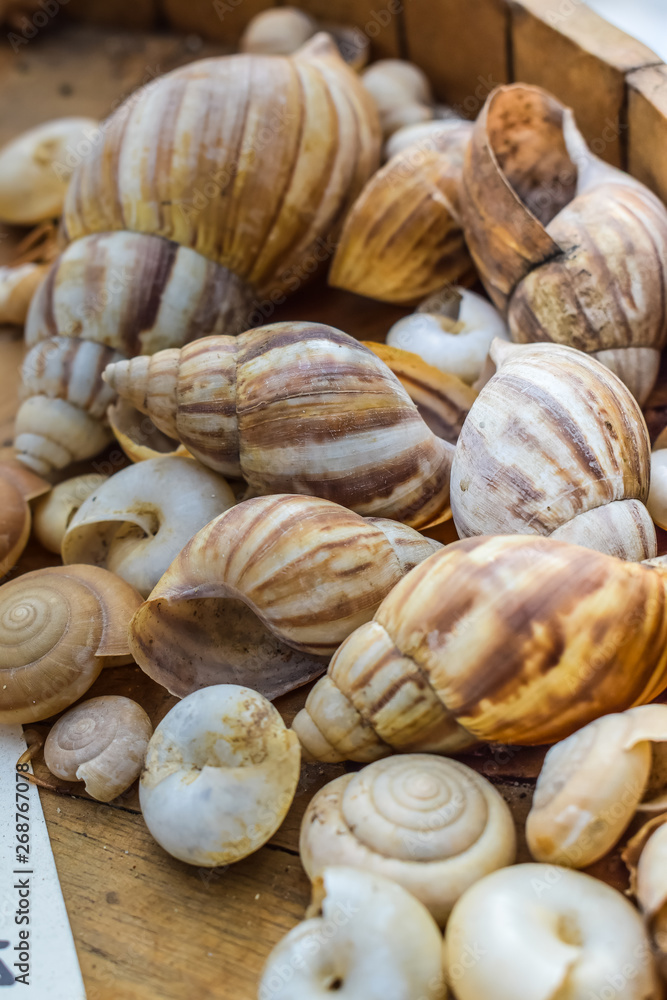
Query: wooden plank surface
point(145, 925)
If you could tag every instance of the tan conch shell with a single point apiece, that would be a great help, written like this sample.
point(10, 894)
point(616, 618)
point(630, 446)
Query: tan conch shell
point(18, 284)
point(443, 400)
point(511, 639)
point(53, 513)
point(364, 937)
point(35, 168)
point(137, 522)
point(58, 628)
point(591, 785)
point(401, 91)
point(296, 408)
point(101, 742)
point(539, 931)
point(221, 773)
point(433, 825)
point(403, 238)
point(452, 330)
point(571, 249)
point(266, 590)
point(17, 486)
point(555, 445)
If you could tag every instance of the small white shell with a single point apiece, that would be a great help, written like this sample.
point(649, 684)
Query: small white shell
point(35, 168)
point(278, 31)
point(401, 91)
point(591, 785)
point(52, 433)
point(371, 941)
point(657, 498)
point(101, 742)
point(452, 337)
point(221, 773)
point(429, 823)
point(540, 932)
point(53, 513)
point(138, 521)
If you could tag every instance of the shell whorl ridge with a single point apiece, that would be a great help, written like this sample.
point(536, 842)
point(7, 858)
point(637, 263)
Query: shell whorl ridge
point(266, 590)
point(509, 639)
point(296, 408)
point(555, 444)
point(431, 824)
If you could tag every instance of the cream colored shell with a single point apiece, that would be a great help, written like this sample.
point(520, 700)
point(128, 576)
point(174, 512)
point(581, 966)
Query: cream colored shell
point(540, 931)
point(58, 628)
point(101, 742)
point(451, 331)
point(657, 498)
point(556, 445)
point(266, 591)
point(17, 287)
point(433, 825)
point(35, 168)
point(651, 890)
point(53, 513)
point(138, 436)
point(591, 785)
point(17, 486)
point(137, 522)
point(278, 31)
point(221, 772)
point(401, 92)
point(368, 940)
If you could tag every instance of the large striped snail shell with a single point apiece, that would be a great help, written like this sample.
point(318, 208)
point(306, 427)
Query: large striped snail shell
point(296, 408)
point(510, 639)
point(555, 444)
point(212, 189)
point(267, 590)
point(571, 249)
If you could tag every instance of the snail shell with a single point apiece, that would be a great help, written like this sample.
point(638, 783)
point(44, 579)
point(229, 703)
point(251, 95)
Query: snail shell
point(101, 742)
point(138, 436)
point(401, 92)
point(433, 825)
point(591, 785)
point(296, 408)
point(542, 931)
point(657, 498)
point(221, 772)
point(53, 513)
point(451, 330)
point(266, 590)
point(385, 945)
point(402, 238)
point(555, 445)
point(17, 486)
point(137, 522)
point(34, 170)
point(58, 628)
point(17, 287)
point(509, 639)
point(279, 31)
point(651, 887)
point(571, 249)
point(421, 134)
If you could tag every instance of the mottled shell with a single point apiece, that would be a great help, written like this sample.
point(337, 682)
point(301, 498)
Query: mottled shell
point(573, 250)
point(555, 445)
point(17, 287)
point(403, 238)
point(17, 486)
point(255, 186)
point(509, 639)
point(221, 773)
point(53, 513)
point(534, 931)
point(35, 169)
point(591, 785)
point(366, 937)
point(266, 590)
point(58, 628)
point(137, 522)
point(296, 408)
point(433, 825)
point(443, 400)
point(101, 742)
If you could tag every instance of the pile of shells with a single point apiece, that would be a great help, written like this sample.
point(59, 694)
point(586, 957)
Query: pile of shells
point(279, 515)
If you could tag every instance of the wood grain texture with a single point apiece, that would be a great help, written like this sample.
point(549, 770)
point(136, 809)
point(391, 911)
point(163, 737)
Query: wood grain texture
point(570, 50)
point(647, 127)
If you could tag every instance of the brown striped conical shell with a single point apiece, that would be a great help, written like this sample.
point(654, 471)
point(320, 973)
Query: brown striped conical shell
point(403, 237)
point(555, 444)
point(510, 639)
point(299, 408)
point(571, 249)
point(266, 590)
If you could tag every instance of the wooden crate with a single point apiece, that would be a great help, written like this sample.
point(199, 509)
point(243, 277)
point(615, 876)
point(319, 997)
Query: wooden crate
point(145, 925)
